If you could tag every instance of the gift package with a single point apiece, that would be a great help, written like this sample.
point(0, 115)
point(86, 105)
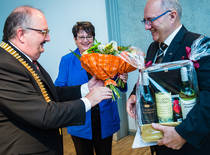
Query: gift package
point(165, 94)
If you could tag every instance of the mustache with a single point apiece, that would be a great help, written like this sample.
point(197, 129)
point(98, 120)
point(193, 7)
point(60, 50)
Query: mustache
point(43, 42)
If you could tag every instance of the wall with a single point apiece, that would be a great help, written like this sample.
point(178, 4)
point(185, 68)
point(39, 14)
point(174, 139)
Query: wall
point(61, 16)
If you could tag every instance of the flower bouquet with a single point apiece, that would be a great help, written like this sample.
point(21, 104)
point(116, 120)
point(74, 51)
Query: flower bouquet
point(105, 62)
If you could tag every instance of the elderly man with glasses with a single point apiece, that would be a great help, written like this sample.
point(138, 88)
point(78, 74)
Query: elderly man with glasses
point(32, 109)
point(192, 136)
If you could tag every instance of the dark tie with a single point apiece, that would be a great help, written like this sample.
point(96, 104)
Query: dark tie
point(160, 52)
point(35, 64)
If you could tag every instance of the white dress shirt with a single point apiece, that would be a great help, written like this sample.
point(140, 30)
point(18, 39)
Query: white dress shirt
point(84, 88)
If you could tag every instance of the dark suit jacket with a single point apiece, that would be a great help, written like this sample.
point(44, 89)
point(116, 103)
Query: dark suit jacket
point(196, 127)
point(28, 124)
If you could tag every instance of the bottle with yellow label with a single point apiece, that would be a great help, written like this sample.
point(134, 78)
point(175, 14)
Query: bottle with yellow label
point(164, 107)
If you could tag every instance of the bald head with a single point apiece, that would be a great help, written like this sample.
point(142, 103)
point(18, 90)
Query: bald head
point(20, 17)
point(164, 17)
point(27, 29)
point(166, 5)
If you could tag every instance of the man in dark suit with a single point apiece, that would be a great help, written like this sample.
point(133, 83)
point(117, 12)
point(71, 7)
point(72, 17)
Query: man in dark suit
point(162, 19)
point(32, 109)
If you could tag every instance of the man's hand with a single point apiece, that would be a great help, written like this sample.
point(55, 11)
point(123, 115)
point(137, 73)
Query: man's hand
point(93, 82)
point(131, 106)
point(97, 94)
point(170, 138)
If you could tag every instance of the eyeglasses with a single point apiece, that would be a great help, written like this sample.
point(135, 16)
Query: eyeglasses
point(44, 32)
point(89, 38)
point(149, 21)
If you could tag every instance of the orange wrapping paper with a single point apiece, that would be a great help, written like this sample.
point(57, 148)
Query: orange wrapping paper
point(105, 66)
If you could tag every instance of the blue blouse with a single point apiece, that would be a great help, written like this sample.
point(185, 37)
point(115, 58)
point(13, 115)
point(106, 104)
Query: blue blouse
point(71, 73)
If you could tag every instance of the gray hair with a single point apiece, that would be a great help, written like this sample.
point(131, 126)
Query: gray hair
point(172, 5)
point(20, 17)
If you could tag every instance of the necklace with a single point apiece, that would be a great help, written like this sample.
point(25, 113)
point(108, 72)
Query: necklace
point(16, 55)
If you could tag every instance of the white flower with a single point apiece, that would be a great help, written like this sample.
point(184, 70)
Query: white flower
point(101, 47)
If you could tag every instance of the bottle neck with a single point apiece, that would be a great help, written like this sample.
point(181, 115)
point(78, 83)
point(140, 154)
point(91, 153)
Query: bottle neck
point(145, 79)
point(146, 83)
point(184, 75)
point(184, 78)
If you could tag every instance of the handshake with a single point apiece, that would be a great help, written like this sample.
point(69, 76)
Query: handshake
point(97, 91)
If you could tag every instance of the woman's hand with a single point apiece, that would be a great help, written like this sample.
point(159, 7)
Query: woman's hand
point(124, 77)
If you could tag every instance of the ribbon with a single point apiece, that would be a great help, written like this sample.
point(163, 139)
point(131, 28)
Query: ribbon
point(188, 52)
point(148, 64)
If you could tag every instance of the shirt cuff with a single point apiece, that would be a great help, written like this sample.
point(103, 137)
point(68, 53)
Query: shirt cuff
point(87, 103)
point(84, 89)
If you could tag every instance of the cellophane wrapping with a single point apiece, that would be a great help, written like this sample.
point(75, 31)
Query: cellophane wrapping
point(107, 61)
point(165, 86)
point(165, 78)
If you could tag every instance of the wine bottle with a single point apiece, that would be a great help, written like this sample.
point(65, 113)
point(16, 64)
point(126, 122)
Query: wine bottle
point(187, 94)
point(164, 107)
point(148, 107)
point(177, 113)
point(163, 100)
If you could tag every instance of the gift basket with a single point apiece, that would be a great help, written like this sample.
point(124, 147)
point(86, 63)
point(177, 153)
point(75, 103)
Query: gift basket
point(167, 92)
point(107, 61)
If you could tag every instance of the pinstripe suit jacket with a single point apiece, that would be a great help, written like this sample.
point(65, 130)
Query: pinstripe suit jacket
point(28, 123)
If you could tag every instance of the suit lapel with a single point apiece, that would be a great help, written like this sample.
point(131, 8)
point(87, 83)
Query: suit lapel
point(44, 76)
point(152, 50)
point(173, 49)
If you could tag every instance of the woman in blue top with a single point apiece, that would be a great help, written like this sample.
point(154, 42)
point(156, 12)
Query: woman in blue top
point(103, 120)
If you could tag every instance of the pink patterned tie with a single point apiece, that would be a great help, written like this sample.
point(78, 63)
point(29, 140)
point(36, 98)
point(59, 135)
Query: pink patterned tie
point(35, 64)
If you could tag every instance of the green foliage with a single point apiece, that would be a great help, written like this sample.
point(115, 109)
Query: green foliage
point(106, 49)
point(77, 55)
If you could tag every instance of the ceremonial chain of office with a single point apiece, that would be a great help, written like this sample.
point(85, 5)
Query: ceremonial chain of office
point(11, 51)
